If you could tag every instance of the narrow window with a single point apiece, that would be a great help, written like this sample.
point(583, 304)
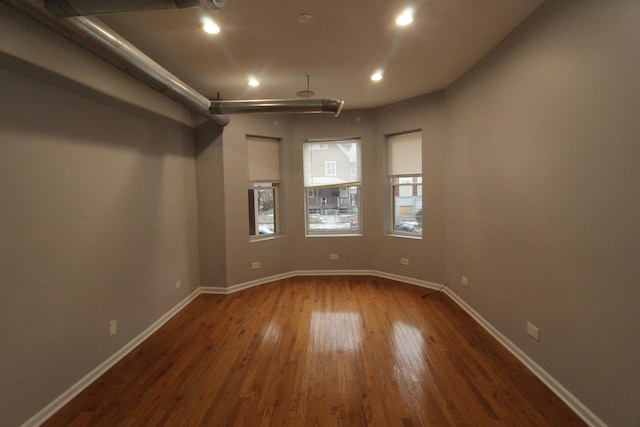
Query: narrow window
point(330, 168)
point(405, 183)
point(263, 156)
point(332, 187)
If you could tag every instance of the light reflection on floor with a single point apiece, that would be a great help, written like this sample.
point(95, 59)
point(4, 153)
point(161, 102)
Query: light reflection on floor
point(271, 332)
point(334, 331)
point(408, 350)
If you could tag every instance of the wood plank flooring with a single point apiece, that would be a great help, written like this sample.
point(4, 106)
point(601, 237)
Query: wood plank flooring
point(319, 351)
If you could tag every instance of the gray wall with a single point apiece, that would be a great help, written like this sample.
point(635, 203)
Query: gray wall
point(274, 255)
point(542, 196)
point(98, 222)
point(212, 242)
point(426, 256)
point(530, 170)
point(312, 253)
point(292, 251)
point(28, 40)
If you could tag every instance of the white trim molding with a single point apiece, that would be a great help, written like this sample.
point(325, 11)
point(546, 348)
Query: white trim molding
point(246, 285)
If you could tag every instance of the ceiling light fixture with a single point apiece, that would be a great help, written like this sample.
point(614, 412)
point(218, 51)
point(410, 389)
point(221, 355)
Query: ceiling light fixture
point(253, 82)
point(306, 93)
point(211, 28)
point(377, 76)
point(405, 18)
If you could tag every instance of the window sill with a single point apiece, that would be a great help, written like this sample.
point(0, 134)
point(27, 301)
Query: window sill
point(335, 235)
point(403, 236)
point(263, 237)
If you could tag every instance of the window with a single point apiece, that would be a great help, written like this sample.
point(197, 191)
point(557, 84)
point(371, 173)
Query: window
point(332, 186)
point(262, 208)
point(330, 168)
point(405, 179)
point(263, 180)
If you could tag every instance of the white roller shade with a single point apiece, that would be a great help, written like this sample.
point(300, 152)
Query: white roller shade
point(331, 163)
point(405, 154)
point(263, 159)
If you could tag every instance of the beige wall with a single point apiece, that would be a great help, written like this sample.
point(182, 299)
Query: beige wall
point(542, 196)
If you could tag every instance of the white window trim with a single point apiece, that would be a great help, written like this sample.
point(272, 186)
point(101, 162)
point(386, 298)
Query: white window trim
point(276, 209)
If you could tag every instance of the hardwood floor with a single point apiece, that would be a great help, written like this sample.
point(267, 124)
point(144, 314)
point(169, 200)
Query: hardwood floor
point(319, 351)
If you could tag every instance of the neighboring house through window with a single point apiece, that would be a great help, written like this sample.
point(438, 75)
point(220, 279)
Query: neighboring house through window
point(332, 186)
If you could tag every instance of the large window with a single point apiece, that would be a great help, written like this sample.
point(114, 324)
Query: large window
point(332, 186)
point(263, 180)
point(405, 183)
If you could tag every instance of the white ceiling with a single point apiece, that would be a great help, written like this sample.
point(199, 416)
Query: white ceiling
point(346, 43)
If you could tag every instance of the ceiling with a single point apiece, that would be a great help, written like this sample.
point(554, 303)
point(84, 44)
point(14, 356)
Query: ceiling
point(346, 42)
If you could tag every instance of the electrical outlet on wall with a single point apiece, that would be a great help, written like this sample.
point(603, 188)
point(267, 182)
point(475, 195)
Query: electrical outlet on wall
point(465, 281)
point(255, 265)
point(404, 261)
point(533, 331)
point(113, 327)
point(333, 257)
point(178, 284)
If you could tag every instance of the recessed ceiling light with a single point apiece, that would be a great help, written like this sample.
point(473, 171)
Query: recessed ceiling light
point(253, 82)
point(405, 18)
point(211, 28)
point(377, 76)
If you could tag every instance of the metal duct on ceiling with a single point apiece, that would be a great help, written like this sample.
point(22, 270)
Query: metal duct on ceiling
point(278, 106)
point(66, 8)
point(102, 41)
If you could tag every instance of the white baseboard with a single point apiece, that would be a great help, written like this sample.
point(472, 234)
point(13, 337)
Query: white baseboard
point(219, 290)
point(580, 409)
point(46, 412)
point(409, 280)
point(246, 285)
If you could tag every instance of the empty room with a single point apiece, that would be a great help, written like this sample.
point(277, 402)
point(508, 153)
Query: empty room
point(243, 213)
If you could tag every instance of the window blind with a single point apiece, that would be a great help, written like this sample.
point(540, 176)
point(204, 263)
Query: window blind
point(263, 159)
point(331, 163)
point(405, 154)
